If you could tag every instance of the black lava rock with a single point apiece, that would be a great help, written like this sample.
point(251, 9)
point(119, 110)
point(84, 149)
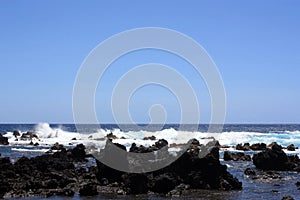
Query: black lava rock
point(89, 189)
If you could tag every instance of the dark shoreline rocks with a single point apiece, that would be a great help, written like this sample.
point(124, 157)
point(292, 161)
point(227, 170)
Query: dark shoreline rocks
point(45, 175)
point(276, 159)
point(190, 170)
point(239, 156)
point(65, 172)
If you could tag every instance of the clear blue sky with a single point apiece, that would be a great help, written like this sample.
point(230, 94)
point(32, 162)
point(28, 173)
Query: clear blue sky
point(255, 44)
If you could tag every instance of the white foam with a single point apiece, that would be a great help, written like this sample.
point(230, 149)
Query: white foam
point(49, 136)
point(29, 150)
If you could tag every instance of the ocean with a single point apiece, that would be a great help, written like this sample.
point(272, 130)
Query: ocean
point(232, 134)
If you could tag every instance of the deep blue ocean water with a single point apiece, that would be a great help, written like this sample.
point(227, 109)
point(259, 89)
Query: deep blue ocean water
point(262, 128)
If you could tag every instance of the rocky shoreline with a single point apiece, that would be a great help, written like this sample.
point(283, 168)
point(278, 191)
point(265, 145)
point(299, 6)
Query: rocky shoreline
point(67, 172)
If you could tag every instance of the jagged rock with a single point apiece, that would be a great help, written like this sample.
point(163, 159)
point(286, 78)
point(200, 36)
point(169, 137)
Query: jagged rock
point(249, 171)
point(291, 147)
point(258, 147)
point(274, 159)
point(136, 183)
point(29, 136)
point(16, 134)
point(45, 176)
point(178, 190)
point(163, 183)
point(111, 136)
point(288, 197)
point(117, 158)
point(150, 138)
point(245, 147)
point(58, 147)
point(200, 172)
point(272, 144)
point(88, 189)
point(78, 152)
point(161, 143)
point(3, 140)
point(239, 156)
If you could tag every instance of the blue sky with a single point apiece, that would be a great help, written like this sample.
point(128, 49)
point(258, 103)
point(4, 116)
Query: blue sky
point(255, 45)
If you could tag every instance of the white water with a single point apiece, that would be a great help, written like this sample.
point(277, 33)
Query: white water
point(48, 136)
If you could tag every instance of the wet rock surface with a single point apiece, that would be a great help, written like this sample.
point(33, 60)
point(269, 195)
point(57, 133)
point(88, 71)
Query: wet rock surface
point(291, 147)
point(245, 147)
point(262, 175)
point(287, 198)
point(46, 175)
point(3, 140)
point(258, 147)
point(239, 156)
point(190, 170)
point(276, 159)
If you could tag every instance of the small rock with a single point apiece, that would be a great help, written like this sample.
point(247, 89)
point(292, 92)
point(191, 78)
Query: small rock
point(150, 138)
point(245, 147)
point(3, 140)
point(291, 147)
point(236, 156)
point(104, 181)
point(249, 171)
point(258, 147)
point(111, 136)
point(288, 197)
point(58, 147)
point(79, 152)
point(16, 134)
